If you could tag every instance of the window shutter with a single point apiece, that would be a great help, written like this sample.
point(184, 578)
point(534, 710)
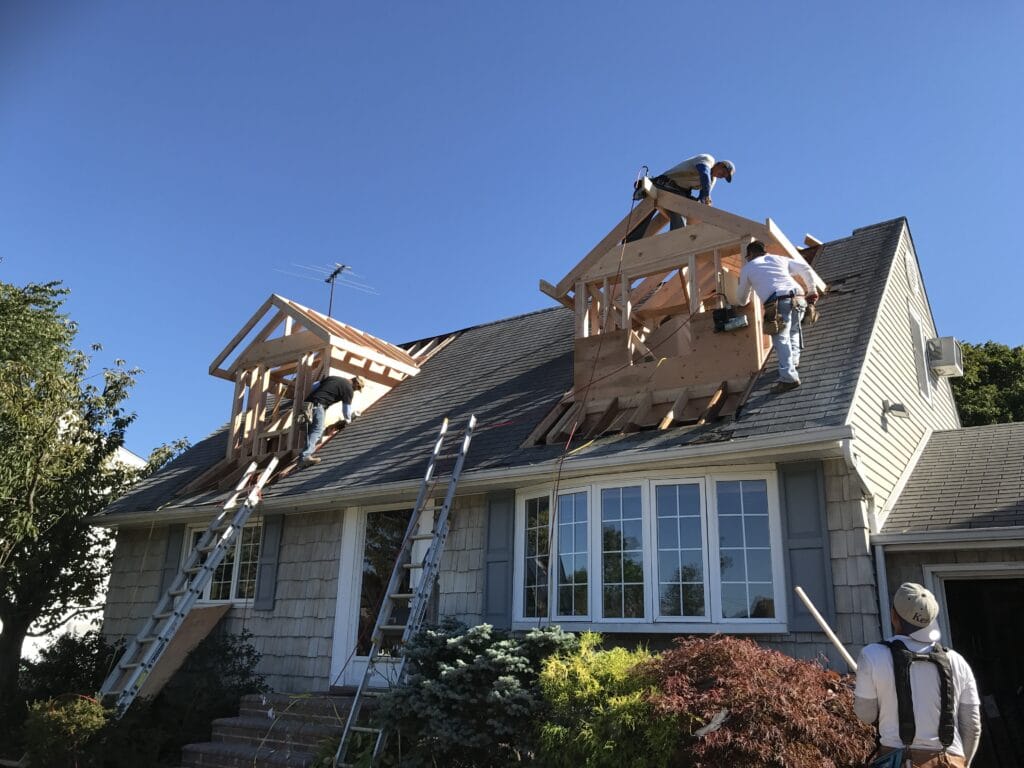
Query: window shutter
point(806, 539)
point(172, 556)
point(266, 571)
point(499, 533)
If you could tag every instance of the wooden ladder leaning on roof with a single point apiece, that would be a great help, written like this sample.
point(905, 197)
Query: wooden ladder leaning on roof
point(128, 676)
point(417, 598)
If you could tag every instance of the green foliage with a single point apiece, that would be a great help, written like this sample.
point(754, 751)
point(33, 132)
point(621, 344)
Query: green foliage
point(472, 698)
point(760, 708)
point(71, 664)
point(58, 731)
point(601, 714)
point(991, 391)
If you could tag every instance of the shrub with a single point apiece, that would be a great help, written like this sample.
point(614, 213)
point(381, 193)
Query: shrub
point(472, 698)
point(779, 712)
point(70, 664)
point(601, 714)
point(58, 730)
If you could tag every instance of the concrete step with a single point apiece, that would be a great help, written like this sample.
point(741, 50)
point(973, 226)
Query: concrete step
point(257, 730)
point(221, 755)
point(303, 708)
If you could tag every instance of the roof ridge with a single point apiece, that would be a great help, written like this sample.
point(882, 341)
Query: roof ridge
point(483, 325)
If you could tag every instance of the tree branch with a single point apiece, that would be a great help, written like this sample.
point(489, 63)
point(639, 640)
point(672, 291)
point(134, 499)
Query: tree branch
point(57, 623)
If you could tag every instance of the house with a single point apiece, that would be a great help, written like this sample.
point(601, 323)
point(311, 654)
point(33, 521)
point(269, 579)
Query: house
point(684, 503)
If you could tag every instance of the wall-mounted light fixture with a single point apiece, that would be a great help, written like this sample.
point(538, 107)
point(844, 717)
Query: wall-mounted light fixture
point(895, 409)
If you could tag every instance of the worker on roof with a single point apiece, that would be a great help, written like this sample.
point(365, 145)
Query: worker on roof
point(771, 277)
point(923, 696)
point(326, 392)
point(694, 174)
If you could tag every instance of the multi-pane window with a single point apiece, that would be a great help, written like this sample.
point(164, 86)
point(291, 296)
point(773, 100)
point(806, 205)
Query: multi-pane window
point(235, 576)
point(536, 552)
point(681, 554)
point(680, 532)
point(622, 553)
point(571, 589)
point(745, 552)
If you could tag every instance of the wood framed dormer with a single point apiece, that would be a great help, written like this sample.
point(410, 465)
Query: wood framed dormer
point(646, 353)
point(275, 358)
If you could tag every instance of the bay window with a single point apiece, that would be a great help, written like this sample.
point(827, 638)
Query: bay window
point(691, 554)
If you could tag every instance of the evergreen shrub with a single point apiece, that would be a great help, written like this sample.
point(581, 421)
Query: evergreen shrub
point(778, 712)
point(58, 730)
point(472, 698)
point(600, 711)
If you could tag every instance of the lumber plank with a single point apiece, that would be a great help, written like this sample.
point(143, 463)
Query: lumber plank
point(250, 323)
point(694, 212)
point(612, 239)
point(549, 290)
point(779, 236)
point(715, 404)
point(641, 413)
point(676, 411)
point(546, 423)
point(236, 415)
point(564, 426)
point(604, 420)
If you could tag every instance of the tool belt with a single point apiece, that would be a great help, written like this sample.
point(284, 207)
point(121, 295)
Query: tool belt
point(773, 320)
point(901, 757)
point(664, 182)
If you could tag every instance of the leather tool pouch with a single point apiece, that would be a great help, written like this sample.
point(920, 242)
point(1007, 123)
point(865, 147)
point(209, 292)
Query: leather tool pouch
point(772, 319)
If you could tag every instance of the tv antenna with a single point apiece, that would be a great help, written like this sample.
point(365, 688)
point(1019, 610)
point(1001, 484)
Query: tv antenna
point(341, 274)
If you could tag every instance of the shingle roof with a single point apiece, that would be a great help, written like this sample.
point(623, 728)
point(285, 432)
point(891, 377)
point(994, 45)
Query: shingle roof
point(512, 372)
point(965, 479)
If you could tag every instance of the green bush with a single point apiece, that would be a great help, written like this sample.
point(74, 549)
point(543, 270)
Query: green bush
point(600, 711)
point(472, 698)
point(58, 731)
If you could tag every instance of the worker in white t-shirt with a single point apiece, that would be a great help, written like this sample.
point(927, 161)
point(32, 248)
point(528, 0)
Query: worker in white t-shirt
point(935, 732)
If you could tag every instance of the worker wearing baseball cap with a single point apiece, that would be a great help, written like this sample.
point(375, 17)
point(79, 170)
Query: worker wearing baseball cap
point(922, 695)
point(699, 172)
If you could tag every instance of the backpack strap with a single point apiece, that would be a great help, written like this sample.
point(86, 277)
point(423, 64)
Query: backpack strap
point(902, 659)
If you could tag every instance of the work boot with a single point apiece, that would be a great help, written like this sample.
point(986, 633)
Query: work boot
point(309, 462)
point(784, 386)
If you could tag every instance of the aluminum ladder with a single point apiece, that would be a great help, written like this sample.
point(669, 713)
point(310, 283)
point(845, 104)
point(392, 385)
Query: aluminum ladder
point(126, 679)
point(395, 599)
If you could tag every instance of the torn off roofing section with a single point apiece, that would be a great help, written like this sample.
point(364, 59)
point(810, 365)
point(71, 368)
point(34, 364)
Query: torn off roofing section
point(512, 372)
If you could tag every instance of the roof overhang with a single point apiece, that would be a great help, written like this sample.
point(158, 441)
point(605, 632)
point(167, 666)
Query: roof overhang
point(964, 538)
point(810, 444)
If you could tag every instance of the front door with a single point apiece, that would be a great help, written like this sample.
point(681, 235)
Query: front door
point(370, 549)
point(986, 624)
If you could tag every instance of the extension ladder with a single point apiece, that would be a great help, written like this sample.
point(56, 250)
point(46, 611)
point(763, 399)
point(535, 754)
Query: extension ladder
point(125, 681)
point(417, 598)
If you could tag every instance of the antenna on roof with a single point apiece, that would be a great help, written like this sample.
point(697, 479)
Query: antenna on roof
point(330, 275)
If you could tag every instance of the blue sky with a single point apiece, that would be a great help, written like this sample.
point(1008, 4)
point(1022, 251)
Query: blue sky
point(165, 159)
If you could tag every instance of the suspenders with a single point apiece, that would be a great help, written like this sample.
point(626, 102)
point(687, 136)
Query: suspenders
point(902, 659)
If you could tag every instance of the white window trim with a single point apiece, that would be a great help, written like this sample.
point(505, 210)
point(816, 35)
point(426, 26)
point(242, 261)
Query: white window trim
point(705, 526)
point(652, 623)
point(937, 574)
point(190, 531)
point(553, 526)
point(915, 317)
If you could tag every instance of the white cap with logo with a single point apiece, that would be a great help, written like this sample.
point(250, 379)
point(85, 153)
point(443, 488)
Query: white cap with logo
point(918, 608)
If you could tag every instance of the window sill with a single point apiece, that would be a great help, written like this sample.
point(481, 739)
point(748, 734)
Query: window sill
point(754, 627)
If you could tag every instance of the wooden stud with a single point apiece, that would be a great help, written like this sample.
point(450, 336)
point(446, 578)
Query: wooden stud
point(545, 424)
point(604, 420)
point(215, 365)
point(549, 290)
point(564, 426)
point(640, 414)
point(235, 425)
point(581, 310)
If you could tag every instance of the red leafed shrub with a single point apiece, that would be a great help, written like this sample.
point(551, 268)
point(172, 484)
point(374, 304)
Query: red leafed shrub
point(780, 712)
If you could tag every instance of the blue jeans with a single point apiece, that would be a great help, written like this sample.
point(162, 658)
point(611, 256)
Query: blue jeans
point(789, 339)
point(314, 431)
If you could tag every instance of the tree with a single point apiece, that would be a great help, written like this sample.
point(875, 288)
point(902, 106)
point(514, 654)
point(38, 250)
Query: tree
point(991, 391)
point(59, 431)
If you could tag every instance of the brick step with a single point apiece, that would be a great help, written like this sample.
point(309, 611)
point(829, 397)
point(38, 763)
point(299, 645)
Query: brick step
point(299, 707)
point(275, 734)
point(221, 755)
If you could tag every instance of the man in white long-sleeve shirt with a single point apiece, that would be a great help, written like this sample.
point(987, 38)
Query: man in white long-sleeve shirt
point(932, 730)
point(771, 277)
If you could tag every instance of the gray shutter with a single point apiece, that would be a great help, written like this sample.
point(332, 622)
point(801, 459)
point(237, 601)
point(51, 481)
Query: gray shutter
point(266, 571)
point(499, 534)
point(172, 555)
point(805, 528)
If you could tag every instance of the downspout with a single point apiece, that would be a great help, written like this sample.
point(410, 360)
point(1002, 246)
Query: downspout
point(850, 458)
point(882, 577)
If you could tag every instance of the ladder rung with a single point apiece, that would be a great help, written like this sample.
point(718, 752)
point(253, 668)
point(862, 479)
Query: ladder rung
point(208, 548)
point(133, 665)
point(392, 628)
point(364, 729)
point(402, 596)
point(177, 592)
point(162, 616)
point(194, 569)
point(422, 537)
point(411, 566)
point(147, 639)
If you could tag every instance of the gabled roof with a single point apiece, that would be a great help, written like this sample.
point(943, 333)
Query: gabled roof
point(512, 372)
point(966, 479)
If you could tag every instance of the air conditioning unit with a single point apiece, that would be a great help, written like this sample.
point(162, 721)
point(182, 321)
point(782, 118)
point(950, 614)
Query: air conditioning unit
point(945, 357)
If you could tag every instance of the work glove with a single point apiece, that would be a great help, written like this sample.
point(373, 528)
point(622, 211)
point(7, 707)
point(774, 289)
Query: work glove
point(811, 315)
